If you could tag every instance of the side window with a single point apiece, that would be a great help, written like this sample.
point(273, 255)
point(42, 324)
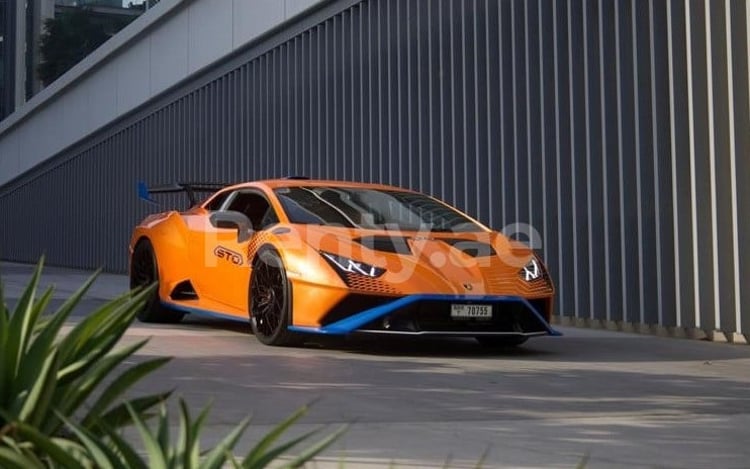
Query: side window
point(217, 201)
point(256, 208)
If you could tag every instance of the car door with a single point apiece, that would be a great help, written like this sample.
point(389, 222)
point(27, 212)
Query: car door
point(224, 275)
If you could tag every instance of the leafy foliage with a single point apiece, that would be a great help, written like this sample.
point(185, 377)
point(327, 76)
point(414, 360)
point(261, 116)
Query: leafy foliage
point(45, 378)
point(63, 404)
point(162, 452)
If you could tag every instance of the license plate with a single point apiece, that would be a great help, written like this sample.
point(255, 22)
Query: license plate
point(471, 311)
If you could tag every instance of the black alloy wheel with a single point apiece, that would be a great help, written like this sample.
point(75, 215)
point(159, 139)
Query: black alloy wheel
point(269, 299)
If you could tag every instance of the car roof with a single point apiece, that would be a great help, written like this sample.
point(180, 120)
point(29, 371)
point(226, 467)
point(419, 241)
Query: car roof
point(279, 183)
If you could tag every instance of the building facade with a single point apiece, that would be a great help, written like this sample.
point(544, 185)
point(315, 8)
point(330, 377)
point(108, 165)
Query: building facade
point(7, 56)
point(21, 28)
point(617, 131)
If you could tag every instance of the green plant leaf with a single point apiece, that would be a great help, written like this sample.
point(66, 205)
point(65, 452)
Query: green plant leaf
point(71, 397)
point(94, 336)
point(31, 405)
point(119, 416)
point(95, 374)
point(51, 378)
point(262, 460)
point(90, 365)
point(216, 458)
point(10, 459)
point(39, 348)
point(40, 306)
point(20, 324)
point(162, 433)
point(75, 449)
point(482, 458)
point(233, 461)
point(100, 330)
point(156, 458)
point(48, 447)
point(127, 453)
point(102, 456)
point(78, 337)
point(265, 443)
point(192, 449)
point(187, 450)
point(44, 340)
point(53, 324)
point(185, 437)
point(121, 384)
point(317, 448)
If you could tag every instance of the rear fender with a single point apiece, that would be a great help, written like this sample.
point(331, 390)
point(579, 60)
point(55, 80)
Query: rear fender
point(168, 236)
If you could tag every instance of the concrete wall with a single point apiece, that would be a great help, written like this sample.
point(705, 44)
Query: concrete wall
point(164, 46)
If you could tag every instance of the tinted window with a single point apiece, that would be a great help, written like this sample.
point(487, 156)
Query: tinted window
point(216, 202)
point(371, 209)
point(256, 208)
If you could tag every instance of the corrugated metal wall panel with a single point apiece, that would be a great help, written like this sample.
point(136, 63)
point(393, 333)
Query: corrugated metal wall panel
point(740, 47)
point(614, 135)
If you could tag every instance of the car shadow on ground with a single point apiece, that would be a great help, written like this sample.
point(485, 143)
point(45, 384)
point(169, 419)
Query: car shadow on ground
point(575, 346)
point(382, 345)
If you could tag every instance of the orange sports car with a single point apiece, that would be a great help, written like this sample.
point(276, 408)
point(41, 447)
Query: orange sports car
point(298, 256)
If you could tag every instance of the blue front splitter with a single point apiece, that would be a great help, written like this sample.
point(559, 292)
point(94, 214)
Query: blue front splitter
point(356, 321)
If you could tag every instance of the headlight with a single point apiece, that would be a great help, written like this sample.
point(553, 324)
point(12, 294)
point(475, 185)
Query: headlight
point(353, 267)
point(532, 270)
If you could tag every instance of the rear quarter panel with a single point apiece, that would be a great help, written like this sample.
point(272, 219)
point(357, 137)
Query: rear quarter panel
point(168, 235)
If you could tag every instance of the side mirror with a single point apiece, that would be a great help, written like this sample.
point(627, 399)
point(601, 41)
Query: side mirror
point(232, 220)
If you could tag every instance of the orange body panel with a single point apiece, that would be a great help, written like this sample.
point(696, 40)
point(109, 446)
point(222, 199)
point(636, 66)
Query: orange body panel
point(218, 266)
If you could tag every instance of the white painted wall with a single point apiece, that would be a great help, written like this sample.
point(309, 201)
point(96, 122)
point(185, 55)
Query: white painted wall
point(165, 45)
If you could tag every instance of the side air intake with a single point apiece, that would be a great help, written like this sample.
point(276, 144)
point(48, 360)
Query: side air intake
point(184, 291)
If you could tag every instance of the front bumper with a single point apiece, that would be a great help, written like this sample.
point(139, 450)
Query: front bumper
point(430, 315)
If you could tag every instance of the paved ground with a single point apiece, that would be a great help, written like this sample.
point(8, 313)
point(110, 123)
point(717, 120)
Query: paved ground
point(626, 400)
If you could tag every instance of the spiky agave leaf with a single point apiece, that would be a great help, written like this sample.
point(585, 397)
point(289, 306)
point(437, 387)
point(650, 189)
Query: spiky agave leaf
point(264, 452)
point(46, 378)
point(311, 452)
point(88, 358)
point(45, 381)
point(16, 331)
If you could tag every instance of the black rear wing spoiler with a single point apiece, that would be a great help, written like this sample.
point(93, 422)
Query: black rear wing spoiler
point(189, 188)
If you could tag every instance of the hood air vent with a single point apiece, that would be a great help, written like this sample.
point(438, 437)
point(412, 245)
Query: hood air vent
point(395, 244)
point(471, 248)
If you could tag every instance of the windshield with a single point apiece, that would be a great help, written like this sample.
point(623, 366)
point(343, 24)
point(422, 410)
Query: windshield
point(371, 209)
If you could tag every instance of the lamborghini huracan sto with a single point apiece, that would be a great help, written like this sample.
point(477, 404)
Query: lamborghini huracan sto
point(298, 257)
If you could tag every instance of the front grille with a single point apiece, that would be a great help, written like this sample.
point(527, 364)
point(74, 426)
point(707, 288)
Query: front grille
point(500, 281)
point(353, 304)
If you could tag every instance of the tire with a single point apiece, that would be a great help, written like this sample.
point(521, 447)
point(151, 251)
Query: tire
point(501, 341)
point(143, 272)
point(269, 300)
